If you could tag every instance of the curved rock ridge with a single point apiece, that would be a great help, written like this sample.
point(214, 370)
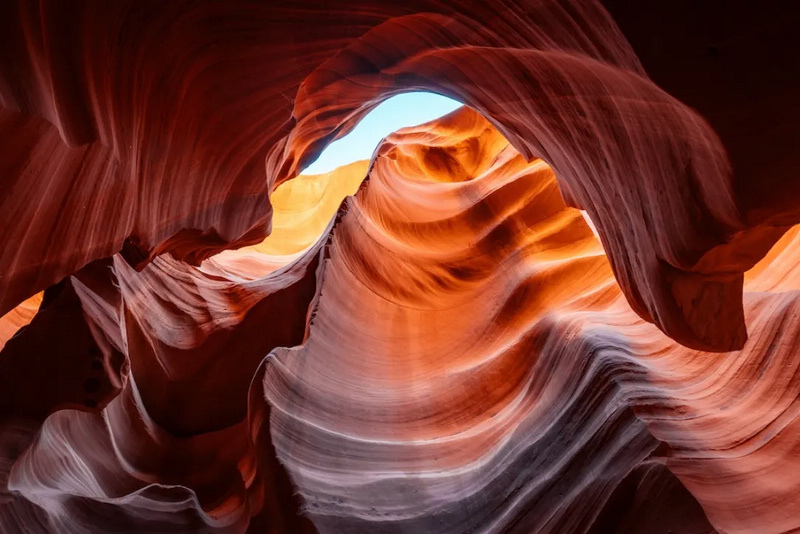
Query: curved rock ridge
point(447, 216)
point(452, 355)
point(452, 348)
point(177, 142)
point(731, 420)
point(443, 387)
point(172, 451)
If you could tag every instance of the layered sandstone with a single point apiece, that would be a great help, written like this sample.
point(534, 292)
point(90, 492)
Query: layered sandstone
point(451, 348)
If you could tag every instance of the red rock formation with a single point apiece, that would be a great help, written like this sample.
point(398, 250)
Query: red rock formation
point(457, 352)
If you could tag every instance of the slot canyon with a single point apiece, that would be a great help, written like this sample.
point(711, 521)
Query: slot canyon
point(569, 306)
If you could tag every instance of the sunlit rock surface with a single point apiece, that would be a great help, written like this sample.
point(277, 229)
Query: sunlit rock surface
point(20, 316)
point(303, 208)
point(451, 349)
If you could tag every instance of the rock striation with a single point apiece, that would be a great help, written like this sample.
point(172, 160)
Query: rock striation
point(196, 339)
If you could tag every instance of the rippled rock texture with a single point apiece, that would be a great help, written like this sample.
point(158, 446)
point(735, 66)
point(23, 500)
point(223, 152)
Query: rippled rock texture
point(434, 340)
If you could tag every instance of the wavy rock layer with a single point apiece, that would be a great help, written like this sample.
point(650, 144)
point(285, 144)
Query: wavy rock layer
point(443, 387)
point(503, 373)
point(462, 361)
point(192, 343)
point(458, 351)
point(176, 142)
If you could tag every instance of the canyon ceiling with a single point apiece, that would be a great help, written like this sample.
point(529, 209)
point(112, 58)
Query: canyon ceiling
point(195, 339)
